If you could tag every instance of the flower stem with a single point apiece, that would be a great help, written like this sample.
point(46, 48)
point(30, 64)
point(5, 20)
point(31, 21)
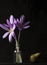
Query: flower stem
point(18, 54)
point(19, 36)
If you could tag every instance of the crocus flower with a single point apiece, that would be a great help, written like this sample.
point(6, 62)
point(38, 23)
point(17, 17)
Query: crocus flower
point(20, 23)
point(9, 27)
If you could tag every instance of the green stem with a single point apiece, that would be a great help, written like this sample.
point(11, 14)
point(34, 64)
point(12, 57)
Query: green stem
point(19, 36)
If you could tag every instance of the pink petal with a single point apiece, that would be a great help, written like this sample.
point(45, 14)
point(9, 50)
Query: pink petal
point(26, 27)
point(11, 19)
point(5, 35)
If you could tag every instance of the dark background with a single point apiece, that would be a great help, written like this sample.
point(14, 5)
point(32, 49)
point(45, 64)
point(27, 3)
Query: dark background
point(33, 39)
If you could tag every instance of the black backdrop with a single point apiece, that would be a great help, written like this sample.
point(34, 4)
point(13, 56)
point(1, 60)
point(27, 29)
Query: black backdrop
point(33, 39)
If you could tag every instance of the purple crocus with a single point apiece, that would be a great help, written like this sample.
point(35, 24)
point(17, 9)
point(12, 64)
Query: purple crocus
point(20, 23)
point(9, 27)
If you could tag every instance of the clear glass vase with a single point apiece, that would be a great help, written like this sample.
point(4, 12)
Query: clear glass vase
point(17, 57)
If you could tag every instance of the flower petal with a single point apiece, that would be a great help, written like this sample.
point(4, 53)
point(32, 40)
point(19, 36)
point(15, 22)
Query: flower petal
point(15, 21)
point(11, 19)
point(10, 37)
point(5, 35)
point(26, 23)
point(14, 26)
point(13, 34)
point(26, 27)
point(8, 22)
point(4, 27)
point(22, 18)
